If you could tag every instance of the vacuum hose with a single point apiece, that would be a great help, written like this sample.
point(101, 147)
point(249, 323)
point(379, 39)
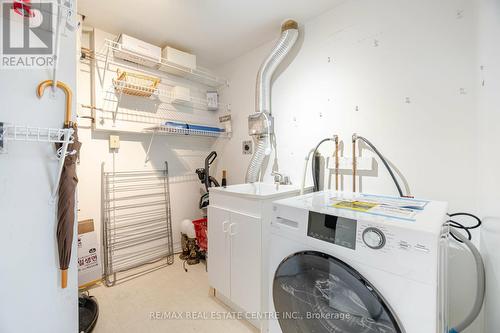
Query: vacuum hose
point(481, 284)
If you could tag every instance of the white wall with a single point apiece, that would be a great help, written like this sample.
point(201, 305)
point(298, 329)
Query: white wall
point(489, 100)
point(376, 56)
point(184, 154)
point(381, 53)
point(30, 285)
point(489, 178)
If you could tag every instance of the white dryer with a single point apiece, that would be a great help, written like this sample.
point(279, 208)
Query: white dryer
point(341, 269)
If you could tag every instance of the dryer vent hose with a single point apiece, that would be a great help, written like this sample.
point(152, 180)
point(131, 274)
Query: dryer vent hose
point(289, 35)
point(257, 160)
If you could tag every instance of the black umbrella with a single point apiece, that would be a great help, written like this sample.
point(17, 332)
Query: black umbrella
point(67, 187)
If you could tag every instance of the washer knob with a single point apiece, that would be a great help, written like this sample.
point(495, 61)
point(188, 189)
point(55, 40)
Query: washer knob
point(374, 238)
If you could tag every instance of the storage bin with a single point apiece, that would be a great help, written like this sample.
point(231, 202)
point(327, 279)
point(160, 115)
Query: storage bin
point(138, 51)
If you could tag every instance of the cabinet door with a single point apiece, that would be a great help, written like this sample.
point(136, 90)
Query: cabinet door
point(245, 238)
point(219, 254)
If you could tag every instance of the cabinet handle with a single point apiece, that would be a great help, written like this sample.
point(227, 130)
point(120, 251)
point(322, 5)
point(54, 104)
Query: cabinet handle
point(231, 233)
point(224, 224)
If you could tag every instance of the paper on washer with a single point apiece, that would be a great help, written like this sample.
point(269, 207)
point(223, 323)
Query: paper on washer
point(405, 209)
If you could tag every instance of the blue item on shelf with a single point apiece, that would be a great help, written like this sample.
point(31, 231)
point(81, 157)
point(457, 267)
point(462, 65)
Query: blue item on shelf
point(205, 128)
point(176, 124)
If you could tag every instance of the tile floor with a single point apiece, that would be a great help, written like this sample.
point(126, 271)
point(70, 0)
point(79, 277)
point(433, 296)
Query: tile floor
point(127, 307)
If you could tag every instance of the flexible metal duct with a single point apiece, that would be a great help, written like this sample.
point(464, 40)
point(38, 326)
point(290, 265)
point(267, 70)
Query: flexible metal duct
point(289, 35)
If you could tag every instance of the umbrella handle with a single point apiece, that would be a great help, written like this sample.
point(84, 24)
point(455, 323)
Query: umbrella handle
point(67, 91)
point(64, 278)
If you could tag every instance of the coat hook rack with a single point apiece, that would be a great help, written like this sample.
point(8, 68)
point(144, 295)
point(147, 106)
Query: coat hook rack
point(62, 136)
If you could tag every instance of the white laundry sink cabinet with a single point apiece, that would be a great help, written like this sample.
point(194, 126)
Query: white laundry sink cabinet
point(239, 217)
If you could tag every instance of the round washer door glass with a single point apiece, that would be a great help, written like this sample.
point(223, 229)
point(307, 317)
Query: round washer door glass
point(315, 292)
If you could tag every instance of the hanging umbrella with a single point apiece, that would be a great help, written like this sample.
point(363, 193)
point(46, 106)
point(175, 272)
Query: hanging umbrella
point(67, 187)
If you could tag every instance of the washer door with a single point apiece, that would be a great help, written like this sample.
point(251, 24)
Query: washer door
point(315, 292)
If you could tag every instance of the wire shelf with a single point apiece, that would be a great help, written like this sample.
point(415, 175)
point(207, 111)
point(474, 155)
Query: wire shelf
point(169, 130)
point(148, 92)
point(199, 75)
point(10, 132)
point(62, 136)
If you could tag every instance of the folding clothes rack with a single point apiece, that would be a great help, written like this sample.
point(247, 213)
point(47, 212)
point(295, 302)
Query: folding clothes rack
point(137, 228)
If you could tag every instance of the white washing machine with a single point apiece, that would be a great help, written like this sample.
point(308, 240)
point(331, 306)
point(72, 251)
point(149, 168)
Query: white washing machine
point(341, 269)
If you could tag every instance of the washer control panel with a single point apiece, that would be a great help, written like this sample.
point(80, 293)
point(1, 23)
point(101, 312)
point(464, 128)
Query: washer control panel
point(374, 238)
point(333, 229)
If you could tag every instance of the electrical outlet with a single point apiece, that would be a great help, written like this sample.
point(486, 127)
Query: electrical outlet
point(247, 147)
point(114, 142)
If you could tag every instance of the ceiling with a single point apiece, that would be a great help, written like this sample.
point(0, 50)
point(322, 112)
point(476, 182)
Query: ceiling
point(215, 30)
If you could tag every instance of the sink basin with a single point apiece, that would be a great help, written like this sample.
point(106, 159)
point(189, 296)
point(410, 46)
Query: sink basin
point(257, 190)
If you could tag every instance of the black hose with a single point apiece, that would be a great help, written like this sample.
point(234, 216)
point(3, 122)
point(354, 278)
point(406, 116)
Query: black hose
point(400, 191)
point(457, 225)
point(315, 174)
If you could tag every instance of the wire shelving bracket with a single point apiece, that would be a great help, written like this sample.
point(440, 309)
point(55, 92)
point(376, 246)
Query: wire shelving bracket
point(62, 136)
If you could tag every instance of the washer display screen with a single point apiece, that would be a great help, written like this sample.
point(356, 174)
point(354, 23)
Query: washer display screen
point(333, 229)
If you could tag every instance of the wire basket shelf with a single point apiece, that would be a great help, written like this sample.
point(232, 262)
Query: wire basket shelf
point(136, 84)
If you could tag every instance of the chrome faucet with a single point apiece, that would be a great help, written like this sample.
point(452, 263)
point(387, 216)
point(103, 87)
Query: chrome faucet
point(280, 179)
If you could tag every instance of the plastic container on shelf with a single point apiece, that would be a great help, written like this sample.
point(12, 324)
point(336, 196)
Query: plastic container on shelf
point(137, 51)
point(179, 58)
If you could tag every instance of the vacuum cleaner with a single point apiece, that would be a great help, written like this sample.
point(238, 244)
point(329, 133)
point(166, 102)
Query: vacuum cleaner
point(206, 179)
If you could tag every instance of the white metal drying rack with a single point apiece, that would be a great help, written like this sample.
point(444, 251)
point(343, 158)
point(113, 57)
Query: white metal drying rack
point(199, 74)
point(63, 136)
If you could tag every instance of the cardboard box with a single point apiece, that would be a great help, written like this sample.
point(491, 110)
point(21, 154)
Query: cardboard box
point(89, 261)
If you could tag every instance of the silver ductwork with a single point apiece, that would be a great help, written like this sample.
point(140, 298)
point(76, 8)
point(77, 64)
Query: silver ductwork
point(261, 123)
